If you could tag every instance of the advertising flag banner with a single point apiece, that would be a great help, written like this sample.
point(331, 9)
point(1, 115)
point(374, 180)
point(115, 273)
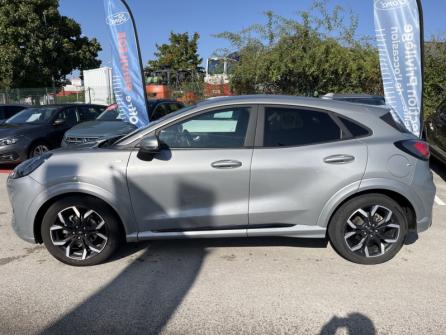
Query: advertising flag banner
point(399, 33)
point(128, 79)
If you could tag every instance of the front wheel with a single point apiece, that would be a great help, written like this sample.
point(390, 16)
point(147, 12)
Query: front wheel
point(368, 229)
point(80, 231)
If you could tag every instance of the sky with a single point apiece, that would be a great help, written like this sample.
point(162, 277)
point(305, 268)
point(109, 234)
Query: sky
point(156, 19)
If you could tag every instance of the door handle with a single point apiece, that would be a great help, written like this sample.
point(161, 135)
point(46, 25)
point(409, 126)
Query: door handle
point(339, 159)
point(226, 164)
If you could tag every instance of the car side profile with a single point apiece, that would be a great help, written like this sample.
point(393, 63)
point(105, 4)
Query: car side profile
point(38, 129)
point(233, 167)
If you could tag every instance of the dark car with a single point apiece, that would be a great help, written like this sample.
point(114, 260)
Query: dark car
point(366, 99)
point(36, 130)
point(7, 111)
point(435, 132)
point(111, 124)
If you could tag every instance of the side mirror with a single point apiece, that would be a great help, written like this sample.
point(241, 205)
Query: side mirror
point(149, 145)
point(59, 122)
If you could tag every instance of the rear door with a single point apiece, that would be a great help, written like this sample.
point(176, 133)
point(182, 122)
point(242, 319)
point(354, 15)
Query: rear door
point(302, 157)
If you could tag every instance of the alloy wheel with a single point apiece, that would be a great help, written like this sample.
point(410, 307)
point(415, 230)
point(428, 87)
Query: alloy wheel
point(39, 150)
point(372, 231)
point(80, 233)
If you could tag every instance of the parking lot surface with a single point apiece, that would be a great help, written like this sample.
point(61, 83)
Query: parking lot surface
point(235, 286)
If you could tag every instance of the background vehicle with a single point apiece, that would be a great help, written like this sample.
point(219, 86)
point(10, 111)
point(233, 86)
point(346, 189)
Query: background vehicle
point(435, 131)
point(374, 100)
point(110, 123)
point(234, 167)
point(218, 71)
point(7, 111)
point(36, 130)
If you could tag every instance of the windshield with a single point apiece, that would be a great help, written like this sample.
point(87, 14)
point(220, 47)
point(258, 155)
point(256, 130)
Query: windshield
point(216, 66)
point(151, 124)
point(33, 115)
point(112, 113)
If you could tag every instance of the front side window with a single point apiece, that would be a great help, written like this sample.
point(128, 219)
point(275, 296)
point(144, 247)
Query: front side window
point(296, 127)
point(225, 128)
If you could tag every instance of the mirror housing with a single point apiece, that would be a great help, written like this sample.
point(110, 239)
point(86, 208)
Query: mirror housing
point(59, 122)
point(149, 145)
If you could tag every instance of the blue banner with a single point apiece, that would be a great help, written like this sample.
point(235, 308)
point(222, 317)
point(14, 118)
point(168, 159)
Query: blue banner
point(399, 34)
point(128, 80)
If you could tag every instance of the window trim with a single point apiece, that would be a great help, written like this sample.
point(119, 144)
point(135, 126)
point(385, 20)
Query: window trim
point(260, 129)
point(250, 131)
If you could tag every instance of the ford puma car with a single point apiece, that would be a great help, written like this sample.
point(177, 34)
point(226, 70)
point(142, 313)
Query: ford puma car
point(233, 167)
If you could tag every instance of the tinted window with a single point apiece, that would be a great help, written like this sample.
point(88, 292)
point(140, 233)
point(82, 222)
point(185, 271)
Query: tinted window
point(2, 113)
point(69, 115)
point(87, 113)
point(398, 125)
point(225, 128)
point(293, 127)
point(355, 129)
point(160, 111)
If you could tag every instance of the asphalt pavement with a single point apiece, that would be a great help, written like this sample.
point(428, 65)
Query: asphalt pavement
point(235, 286)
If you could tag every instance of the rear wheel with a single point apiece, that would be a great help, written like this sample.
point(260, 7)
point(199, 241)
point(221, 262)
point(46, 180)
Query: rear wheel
point(80, 231)
point(368, 229)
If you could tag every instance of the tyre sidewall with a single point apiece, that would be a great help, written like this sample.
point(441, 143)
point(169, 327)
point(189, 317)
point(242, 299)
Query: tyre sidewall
point(337, 227)
point(114, 238)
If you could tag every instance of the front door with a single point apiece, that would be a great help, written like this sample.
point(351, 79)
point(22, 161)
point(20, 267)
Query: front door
point(200, 179)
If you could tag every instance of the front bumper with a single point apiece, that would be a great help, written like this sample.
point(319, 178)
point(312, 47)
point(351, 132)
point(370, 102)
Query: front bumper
point(14, 153)
point(22, 192)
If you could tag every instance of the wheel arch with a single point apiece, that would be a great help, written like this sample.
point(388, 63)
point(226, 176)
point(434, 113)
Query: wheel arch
point(44, 208)
point(405, 204)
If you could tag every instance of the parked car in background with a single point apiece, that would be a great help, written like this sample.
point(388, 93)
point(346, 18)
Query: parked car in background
point(435, 132)
point(7, 111)
point(233, 167)
point(111, 124)
point(36, 130)
point(374, 100)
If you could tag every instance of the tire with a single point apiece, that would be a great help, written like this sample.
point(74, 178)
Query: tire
point(38, 148)
point(368, 229)
point(81, 231)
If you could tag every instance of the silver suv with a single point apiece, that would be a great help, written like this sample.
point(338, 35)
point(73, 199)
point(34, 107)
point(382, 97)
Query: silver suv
point(233, 167)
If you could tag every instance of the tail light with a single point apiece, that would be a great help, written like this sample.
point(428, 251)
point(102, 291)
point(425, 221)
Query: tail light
point(416, 148)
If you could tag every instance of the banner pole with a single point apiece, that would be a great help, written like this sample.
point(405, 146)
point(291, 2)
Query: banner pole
point(139, 54)
point(420, 11)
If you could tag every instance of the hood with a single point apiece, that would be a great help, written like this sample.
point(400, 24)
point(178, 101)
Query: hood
point(101, 129)
point(7, 130)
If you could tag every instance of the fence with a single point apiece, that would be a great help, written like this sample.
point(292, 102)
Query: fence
point(188, 93)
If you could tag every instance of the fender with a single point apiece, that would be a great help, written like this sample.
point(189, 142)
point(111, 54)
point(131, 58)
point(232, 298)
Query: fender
point(122, 207)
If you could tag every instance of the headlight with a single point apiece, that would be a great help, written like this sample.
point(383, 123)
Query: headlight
point(29, 166)
point(8, 141)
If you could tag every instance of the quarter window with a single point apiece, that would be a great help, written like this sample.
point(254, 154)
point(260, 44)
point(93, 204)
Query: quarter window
point(224, 128)
point(295, 127)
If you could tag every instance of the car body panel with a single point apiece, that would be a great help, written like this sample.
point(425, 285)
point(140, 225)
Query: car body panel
point(159, 199)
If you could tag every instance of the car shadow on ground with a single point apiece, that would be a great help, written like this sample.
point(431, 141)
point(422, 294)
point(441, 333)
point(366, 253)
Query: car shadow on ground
point(354, 323)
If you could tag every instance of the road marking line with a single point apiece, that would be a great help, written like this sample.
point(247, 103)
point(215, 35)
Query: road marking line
point(440, 202)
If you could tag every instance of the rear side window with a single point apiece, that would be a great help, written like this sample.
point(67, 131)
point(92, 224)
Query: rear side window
point(390, 120)
point(295, 127)
point(354, 128)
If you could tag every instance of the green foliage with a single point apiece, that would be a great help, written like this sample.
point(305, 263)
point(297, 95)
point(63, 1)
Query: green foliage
point(181, 53)
point(38, 46)
point(312, 54)
point(434, 74)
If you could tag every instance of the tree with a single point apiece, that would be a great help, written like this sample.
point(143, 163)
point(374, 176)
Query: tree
point(434, 73)
point(181, 53)
point(39, 47)
point(312, 54)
